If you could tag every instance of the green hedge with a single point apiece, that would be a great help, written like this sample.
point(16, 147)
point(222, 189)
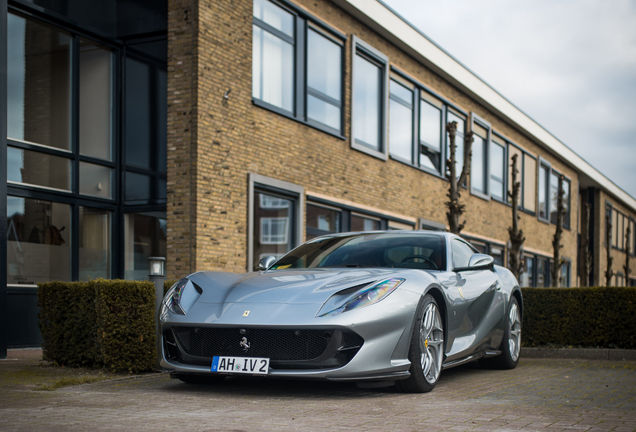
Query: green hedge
point(602, 317)
point(101, 323)
point(167, 284)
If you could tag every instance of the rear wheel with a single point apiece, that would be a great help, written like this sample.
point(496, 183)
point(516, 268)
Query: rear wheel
point(511, 343)
point(427, 349)
point(200, 379)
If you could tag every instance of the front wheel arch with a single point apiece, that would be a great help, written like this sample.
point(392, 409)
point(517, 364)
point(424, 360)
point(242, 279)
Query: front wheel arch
point(436, 293)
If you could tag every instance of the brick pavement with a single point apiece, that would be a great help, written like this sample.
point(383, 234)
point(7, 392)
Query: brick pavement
point(541, 395)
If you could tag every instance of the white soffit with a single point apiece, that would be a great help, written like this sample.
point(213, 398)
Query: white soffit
point(383, 20)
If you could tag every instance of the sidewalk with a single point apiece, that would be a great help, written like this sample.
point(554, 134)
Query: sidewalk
point(539, 395)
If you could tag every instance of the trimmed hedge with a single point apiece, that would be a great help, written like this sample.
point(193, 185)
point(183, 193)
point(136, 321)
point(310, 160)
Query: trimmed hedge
point(101, 323)
point(602, 317)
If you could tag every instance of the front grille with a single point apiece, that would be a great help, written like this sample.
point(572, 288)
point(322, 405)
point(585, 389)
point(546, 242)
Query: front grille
point(275, 344)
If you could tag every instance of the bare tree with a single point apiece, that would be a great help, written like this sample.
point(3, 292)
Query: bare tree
point(609, 273)
point(557, 261)
point(515, 264)
point(455, 209)
point(586, 255)
point(628, 235)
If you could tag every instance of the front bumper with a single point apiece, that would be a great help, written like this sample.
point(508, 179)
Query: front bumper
point(370, 343)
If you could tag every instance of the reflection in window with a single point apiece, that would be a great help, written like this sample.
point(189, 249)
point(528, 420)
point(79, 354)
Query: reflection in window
point(96, 180)
point(144, 237)
point(543, 192)
point(38, 83)
point(498, 254)
point(527, 277)
point(39, 169)
point(478, 164)
point(273, 226)
point(430, 136)
point(554, 196)
point(497, 170)
point(529, 182)
point(273, 55)
point(271, 202)
point(361, 223)
point(38, 241)
point(324, 76)
point(321, 221)
point(95, 103)
point(565, 275)
point(94, 239)
point(566, 203)
point(401, 122)
point(367, 87)
point(542, 272)
point(274, 230)
point(461, 253)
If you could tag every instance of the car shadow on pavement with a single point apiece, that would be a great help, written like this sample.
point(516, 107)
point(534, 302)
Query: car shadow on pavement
point(292, 388)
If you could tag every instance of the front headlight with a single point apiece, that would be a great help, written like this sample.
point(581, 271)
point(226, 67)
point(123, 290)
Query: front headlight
point(366, 296)
point(180, 298)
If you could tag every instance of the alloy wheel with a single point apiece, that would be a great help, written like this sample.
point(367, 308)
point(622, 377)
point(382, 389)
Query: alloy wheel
point(431, 343)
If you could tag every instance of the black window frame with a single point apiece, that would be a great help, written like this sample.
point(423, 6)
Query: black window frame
point(374, 56)
point(410, 106)
point(303, 22)
point(116, 204)
point(475, 119)
point(543, 164)
point(504, 180)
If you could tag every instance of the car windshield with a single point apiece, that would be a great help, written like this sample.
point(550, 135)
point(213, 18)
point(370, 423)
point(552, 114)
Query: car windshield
point(392, 250)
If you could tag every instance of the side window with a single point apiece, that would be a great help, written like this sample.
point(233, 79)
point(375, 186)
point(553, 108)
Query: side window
point(461, 253)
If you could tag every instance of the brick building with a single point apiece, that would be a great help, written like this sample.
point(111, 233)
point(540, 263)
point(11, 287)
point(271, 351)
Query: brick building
point(217, 132)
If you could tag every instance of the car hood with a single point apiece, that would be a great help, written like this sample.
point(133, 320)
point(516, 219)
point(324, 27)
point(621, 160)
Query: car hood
point(285, 286)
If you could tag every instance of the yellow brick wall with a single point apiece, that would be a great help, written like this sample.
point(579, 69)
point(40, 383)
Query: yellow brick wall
point(214, 142)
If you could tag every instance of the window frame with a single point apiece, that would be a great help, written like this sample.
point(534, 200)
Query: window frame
point(303, 22)
point(296, 193)
point(414, 128)
point(545, 165)
point(567, 223)
point(476, 119)
point(369, 53)
point(504, 180)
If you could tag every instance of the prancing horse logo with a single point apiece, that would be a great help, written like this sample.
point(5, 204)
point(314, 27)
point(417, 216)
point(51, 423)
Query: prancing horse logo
point(244, 344)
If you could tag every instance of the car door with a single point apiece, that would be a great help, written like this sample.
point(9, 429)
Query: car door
point(474, 321)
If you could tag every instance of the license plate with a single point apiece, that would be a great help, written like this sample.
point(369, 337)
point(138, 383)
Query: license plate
point(245, 365)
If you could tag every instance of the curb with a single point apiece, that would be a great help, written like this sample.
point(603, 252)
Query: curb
point(580, 353)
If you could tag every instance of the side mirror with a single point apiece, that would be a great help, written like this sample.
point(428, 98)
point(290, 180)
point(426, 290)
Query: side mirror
point(478, 262)
point(266, 262)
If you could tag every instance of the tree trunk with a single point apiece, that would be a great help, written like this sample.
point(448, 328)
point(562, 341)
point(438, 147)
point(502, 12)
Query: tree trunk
point(515, 263)
point(455, 209)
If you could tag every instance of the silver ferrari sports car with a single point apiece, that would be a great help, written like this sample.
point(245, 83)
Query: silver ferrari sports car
point(380, 308)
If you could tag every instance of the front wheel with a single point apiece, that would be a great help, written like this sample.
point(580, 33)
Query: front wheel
point(427, 348)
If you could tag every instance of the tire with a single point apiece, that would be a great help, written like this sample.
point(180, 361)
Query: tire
point(426, 352)
point(200, 379)
point(511, 343)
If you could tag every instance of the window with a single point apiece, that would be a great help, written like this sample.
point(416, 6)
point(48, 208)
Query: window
point(497, 170)
point(544, 175)
point(527, 277)
point(144, 237)
point(529, 185)
point(38, 241)
point(324, 78)
point(543, 270)
point(479, 161)
point(565, 275)
point(554, 194)
point(489, 248)
point(370, 82)
point(94, 239)
point(38, 169)
point(431, 127)
point(620, 224)
point(401, 122)
point(461, 253)
point(322, 220)
point(273, 56)
point(327, 217)
point(296, 67)
point(276, 210)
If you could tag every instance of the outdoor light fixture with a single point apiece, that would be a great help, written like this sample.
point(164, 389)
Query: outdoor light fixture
point(157, 266)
